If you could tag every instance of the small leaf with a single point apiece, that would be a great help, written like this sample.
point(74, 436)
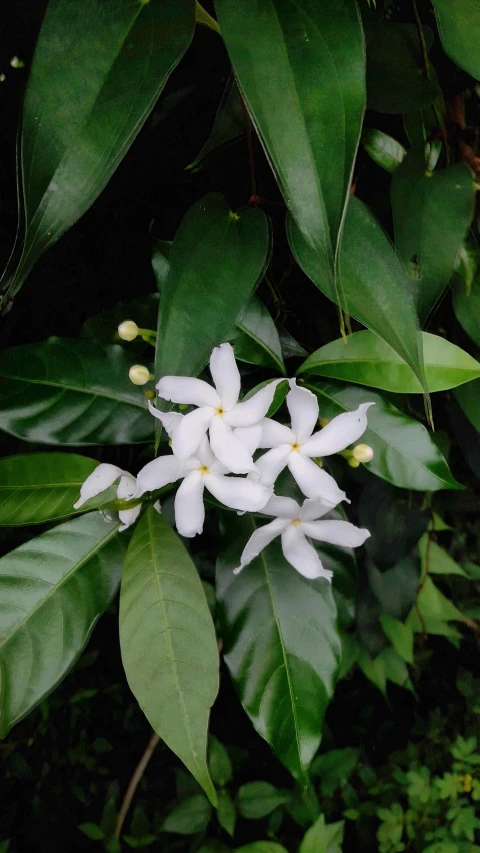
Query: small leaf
point(261, 847)
point(436, 561)
point(228, 124)
point(219, 762)
point(226, 812)
point(466, 305)
point(259, 799)
point(459, 30)
point(400, 636)
point(468, 397)
point(257, 340)
point(91, 830)
point(334, 768)
point(323, 837)
point(432, 608)
point(384, 150)
point(189, 817)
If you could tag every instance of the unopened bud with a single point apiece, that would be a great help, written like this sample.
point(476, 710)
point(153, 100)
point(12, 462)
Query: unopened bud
point(149, 395)
point(354, 463)
point(362, 453)
point(128, 330)
point(324, 422)
point(139, 374)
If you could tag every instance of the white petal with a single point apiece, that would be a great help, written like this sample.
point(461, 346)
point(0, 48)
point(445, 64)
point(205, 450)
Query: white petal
point(314, 481)
point(191, 431)
point(336, 532)
point(272, 463)
point(282, 507)
point(102, 478)
point(314, 508)
point(275, 434)
point(186, 390)
point(259, 540)
point(249, 436)
point(251, 411)
point(228, 448)
point(303, 408)
point(225, 375)
point(126, 487)
point(128, 517)
point(169, 420)
point(238, 492)
point(301, 555)
point(189, 508)
point(158, 507)
point(339, 433)
point(156, 474)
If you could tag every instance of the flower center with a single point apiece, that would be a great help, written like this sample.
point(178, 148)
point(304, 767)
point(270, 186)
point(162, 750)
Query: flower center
point(296, 521)
point(295, 446)
point(220, 412)
point(204, 469)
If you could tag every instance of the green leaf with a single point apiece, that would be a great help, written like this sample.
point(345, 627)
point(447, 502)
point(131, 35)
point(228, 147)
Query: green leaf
point(367, 360)
point(190, 816)
point(400, 636)
point(97, 71)
point(168, 643)
point(53, 589)
point(227, 126)
point(257, 340)
point(334, 768)
point(384, 150)
point(259, 799)
point(219, 762)
point(431, 214)
point(39, 487)
point(468, 397)
point(309, 112)
point(226, 812)
point(77, 392)
point(466, 304)
point(91, 830)
point(261, 847)
point(404, 452)
point(216, 260)
point(373, 669)
point(436, 561)
point(284, 676)
point(323, 837)
point(143, 310)
point(373, 284)
point(432, 609)
point(281, 392)
point(459, 29)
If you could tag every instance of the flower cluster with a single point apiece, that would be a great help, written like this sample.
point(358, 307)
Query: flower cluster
point(218, 439)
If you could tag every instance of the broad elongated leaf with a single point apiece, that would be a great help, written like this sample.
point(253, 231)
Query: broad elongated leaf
point(256, 340)
point(459, 28)
point(467, 307)
point(404, 453)
point(216, 260)
point(431, 213)
point(309, 112)
point(168, 643)
point(281, 646)
point(39, 487)
point(66, 391)
point(367, 360)
point(52, 591)
point(98, 69)
point(374, 286)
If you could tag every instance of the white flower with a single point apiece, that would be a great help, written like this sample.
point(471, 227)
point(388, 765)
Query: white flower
point(218, 411)
point(296, 525)
point(102, 478)
point(295, 447)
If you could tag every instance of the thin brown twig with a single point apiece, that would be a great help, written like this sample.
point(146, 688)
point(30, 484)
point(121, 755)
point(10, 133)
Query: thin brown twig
point(134, 782)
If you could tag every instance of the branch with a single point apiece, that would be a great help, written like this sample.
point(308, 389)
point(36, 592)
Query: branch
point(134, 783)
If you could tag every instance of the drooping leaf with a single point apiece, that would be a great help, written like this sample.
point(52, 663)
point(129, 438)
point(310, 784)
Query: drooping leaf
point(259, 799)
point(459, 30)
point(97, 71)
point(404, 453)
point(227, 126)
point(284, 675)
point(52, 591)
point(40, 487)
point(468, 397)
point(256, 340)
point(66, 391)
point(367, 360)
point(467, 307)
point(431, 213)
point(216, 260)
point(290, 347)
point(373, 283)
point(384, 150)
point(309, 112)
point(168, 643)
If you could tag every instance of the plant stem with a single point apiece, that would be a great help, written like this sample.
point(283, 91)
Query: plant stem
point(134, 782)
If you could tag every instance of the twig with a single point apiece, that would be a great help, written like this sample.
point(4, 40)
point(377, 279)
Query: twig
point(134, 782)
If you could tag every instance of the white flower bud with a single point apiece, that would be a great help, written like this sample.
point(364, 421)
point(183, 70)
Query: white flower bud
point(139, 374)
point(362, 453)
point(128, 330)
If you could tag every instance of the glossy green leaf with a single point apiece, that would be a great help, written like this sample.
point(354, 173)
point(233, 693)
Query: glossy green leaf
point(168, 643)
point(323, 837)
point(53, 589)
point(400, 636)
point(467, 307)
point(468, 396)
point(216, 260)
point(290, 347)
point(256, 340)
point(98, 68)
point(384, 150)
point(404, 452)
point(458, 24)
point(284, 676)
point(365, 359)
point(309, 112)
point(226, 812)
point(373, 286)
point(259, 799)
point(219, 762)
point(281, 392)
point(192, 815)
point(228, 125)
point(40, 487)
point(66, 391)
point(431, 213)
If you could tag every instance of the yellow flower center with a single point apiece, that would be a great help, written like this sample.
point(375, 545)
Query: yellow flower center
point(295, 446)
point(204, 469)
point(296, 522)
point(220, 411)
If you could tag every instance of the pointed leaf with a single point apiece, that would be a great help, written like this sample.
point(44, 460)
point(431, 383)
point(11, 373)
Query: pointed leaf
point(53, 589)
point(466, 305)
point(366, 359)
point(468, 397)
point(257, 340)
point(459, 30)
point(227, 126)
point(309, 112)
point(98, 68)
point(66, 391)
point(168, 643)
point(192, 815)
point(400, 636)
point(284, 676)
point(323, 837)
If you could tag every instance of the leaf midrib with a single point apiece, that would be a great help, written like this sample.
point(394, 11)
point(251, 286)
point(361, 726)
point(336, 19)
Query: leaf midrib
point(88, 391)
